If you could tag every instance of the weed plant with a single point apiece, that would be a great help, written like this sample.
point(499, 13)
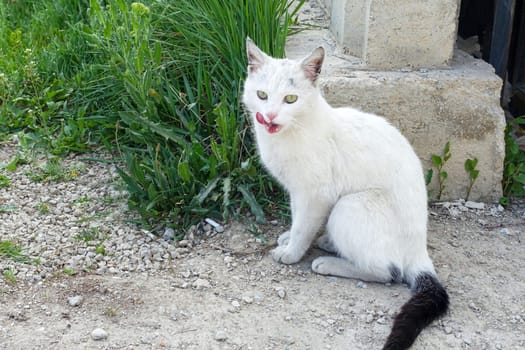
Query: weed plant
point(473, 173)
point(439, 162)
point(10, 250)
point(514, 164)
point(158, 82)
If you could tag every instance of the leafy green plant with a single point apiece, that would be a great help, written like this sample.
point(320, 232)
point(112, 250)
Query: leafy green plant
point(100, 249)
point(53, 170)
point(9, 250)
point(88, 235)
point(157, 83)
point(470, 168)
point(9, 276)
point(4, 181)
point(439, 162)
point(43, 208)
point(514, 165)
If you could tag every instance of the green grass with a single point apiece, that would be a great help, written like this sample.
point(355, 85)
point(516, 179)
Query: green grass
point(9, 276)
point(88, 235)
point(514, 164)
point(157, 83)
point(4, 181)
point(10, 250)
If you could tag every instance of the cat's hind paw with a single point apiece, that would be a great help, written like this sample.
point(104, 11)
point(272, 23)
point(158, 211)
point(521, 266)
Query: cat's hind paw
point(283, 238)
point(325, 243)
point(283, 255)
point(321, 266)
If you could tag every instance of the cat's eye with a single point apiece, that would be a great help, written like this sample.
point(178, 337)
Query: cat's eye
point(290, 98)
point(262, 95)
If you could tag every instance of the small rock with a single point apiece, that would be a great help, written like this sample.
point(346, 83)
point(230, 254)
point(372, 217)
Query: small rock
point(75, 300)
point(218, 227)
point(228, 259)
point(247, 299)
point(201, 283)
point(504, 231)
point(220, 336)
point(474, 205)
point(183, 243)
point(361, 284)
point(99, 334)
point(381, 320)
point(369, 318)
point(169, 234)
point(281, 293)
point(236, 304)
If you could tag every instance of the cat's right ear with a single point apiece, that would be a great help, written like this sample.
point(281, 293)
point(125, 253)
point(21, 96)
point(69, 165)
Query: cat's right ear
point(256, 57)
point(312, 64)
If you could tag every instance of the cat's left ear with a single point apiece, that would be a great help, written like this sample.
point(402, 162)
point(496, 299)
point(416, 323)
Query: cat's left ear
point(312, 64)
point(256, 57)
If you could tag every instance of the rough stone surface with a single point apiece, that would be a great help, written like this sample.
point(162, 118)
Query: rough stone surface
point(394, 34)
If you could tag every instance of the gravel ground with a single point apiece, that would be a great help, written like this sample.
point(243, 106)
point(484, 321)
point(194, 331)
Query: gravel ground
point(222, 290)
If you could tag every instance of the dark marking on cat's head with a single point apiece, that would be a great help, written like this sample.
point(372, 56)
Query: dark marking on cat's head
point(256, 58)
point(291, 82)
point(312, 64)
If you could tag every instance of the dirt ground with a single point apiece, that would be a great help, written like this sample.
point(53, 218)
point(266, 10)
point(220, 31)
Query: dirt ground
point(229, 294)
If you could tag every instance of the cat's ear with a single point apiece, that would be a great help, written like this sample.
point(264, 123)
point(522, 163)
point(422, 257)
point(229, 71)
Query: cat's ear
point(256, 58)
point(312, 64)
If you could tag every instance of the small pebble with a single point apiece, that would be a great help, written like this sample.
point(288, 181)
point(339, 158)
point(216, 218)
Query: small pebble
point(75, 300)
point(220, 336)
point(474, 205)
point(281, 293)
point(99, 334)
point(201, 283)
point(504, 231)
point(361, 284)
point(169, 234)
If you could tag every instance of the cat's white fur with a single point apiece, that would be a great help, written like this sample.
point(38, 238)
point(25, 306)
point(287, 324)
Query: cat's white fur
point(350, 170)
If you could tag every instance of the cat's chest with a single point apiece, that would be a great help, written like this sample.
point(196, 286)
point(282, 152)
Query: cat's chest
point(304, 163)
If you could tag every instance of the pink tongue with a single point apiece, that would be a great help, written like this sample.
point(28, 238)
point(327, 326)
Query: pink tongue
point(260, 118)
point(272, 128)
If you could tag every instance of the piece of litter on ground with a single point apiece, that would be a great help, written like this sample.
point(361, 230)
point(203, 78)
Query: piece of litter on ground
point(216, 226)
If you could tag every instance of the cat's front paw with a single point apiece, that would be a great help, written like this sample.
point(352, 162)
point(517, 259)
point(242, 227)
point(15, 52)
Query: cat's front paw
point(284, 238)
point(283, 255)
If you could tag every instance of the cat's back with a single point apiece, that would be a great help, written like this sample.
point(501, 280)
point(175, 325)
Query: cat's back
point(368, 144)
point(369, 130)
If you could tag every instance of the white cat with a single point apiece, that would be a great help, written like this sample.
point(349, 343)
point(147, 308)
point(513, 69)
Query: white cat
point(354, 173)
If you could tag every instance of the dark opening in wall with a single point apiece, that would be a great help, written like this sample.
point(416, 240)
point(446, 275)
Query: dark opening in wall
point(499, 27)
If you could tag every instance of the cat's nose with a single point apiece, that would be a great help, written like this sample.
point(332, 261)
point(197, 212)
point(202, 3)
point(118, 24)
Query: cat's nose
point(271, 116)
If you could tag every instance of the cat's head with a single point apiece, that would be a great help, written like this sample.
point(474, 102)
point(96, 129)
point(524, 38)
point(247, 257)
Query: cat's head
point(280, 93)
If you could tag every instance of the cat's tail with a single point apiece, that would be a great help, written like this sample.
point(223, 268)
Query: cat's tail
point(428, 302)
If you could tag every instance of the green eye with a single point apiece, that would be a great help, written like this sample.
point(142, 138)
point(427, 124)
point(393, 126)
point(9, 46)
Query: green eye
point(262, 95)
point(290, 98)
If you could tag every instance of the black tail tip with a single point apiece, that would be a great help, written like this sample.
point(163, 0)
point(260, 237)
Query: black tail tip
point(430, 301)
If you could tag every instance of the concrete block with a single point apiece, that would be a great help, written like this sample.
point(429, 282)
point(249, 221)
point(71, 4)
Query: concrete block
point(459, 104)
point(394, 34)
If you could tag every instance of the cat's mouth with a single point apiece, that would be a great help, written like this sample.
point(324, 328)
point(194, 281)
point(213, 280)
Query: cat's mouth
point(272, 128)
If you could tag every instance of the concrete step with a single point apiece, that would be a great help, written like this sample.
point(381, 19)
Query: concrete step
point(458, 104)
